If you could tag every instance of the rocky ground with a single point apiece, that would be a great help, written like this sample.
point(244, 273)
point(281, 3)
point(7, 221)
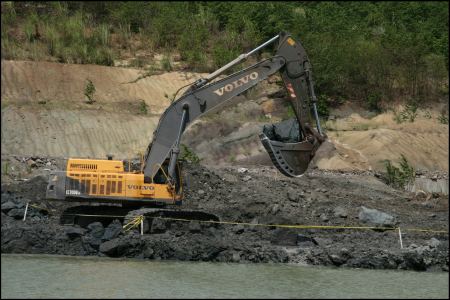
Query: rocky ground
point(257, 195)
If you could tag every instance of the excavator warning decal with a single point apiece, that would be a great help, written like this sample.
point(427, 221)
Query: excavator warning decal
point(291, 41)
point(291, 90)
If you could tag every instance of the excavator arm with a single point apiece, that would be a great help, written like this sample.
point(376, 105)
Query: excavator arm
point(291, 61)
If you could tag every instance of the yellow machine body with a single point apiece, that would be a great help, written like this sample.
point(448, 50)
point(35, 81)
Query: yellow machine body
point(97, 179)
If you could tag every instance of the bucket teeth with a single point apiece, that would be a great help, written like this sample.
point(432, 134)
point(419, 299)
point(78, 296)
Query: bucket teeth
point(291, 159)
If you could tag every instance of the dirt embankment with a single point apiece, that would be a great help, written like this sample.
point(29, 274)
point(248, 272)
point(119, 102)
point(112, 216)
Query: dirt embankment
point(423, 142)
point(255, 196)
point(44, 114)
point(44, 110)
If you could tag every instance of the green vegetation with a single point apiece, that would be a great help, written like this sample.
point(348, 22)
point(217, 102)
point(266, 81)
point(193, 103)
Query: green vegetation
point(399, 177)
point(290, 112)
point(443, 119)
point(263, 118)
point(409, 113)
point(375, 52)
point(373, 102)
point(361, 127)
point(188, 155)
point(143, 107)
point(165, 64)
point(5, 168)
point(397, 117)
point(89, 91)
point(323, 104)
point(427, 114)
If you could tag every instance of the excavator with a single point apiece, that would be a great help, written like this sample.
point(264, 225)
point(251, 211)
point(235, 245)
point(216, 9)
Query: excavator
point(107, 187)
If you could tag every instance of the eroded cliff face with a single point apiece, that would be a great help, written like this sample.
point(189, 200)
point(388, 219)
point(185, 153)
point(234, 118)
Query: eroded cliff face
point(44, 113)
point(44, 109)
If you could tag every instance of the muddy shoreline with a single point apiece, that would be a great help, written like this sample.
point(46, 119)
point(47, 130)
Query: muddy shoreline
point(255, 195)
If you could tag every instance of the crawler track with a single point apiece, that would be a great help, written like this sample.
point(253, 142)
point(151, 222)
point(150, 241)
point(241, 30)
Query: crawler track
point(83, 215)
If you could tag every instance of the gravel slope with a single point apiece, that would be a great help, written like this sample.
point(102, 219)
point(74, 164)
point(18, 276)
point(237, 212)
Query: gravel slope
point(256, 196)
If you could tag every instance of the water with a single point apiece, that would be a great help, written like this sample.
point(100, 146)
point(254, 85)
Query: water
point(46, 276)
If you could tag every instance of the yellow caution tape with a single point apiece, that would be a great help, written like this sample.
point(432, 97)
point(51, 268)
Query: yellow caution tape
point(305, 226)
point(133, 223)
point(38, 207)
point(137, 220)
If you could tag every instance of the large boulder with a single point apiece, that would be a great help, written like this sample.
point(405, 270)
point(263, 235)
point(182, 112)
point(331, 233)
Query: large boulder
point(112, 231)
point(286, 131)
point(433, 243)
point(8, 206)
point(195, 227)
point(340, 212)
point(284, 237)
point(158, 226)
point(306, 241)
point(115, 247)
point(96, 229)
point(16, 213)
point(376, 217)
point(73, 232)
point(414, 260)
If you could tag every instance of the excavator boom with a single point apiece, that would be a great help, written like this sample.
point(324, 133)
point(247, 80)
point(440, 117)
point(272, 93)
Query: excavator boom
point(290, 59)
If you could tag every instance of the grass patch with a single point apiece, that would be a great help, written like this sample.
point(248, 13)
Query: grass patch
point(361, 127)
point(166, 65)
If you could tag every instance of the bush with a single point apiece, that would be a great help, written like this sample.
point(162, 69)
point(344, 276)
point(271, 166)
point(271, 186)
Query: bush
point(397, 117)
point(443, 119)
point(409, 113)
point(143, 107)
point(323, 105)
point(225, 49)
point(399, 177)
point(373, 102)
point(89, 91)
point(188, 155)
point(427, 114)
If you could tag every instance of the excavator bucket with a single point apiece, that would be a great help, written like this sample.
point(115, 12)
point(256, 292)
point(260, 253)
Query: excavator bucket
point(291, 159)
point(289, 155)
